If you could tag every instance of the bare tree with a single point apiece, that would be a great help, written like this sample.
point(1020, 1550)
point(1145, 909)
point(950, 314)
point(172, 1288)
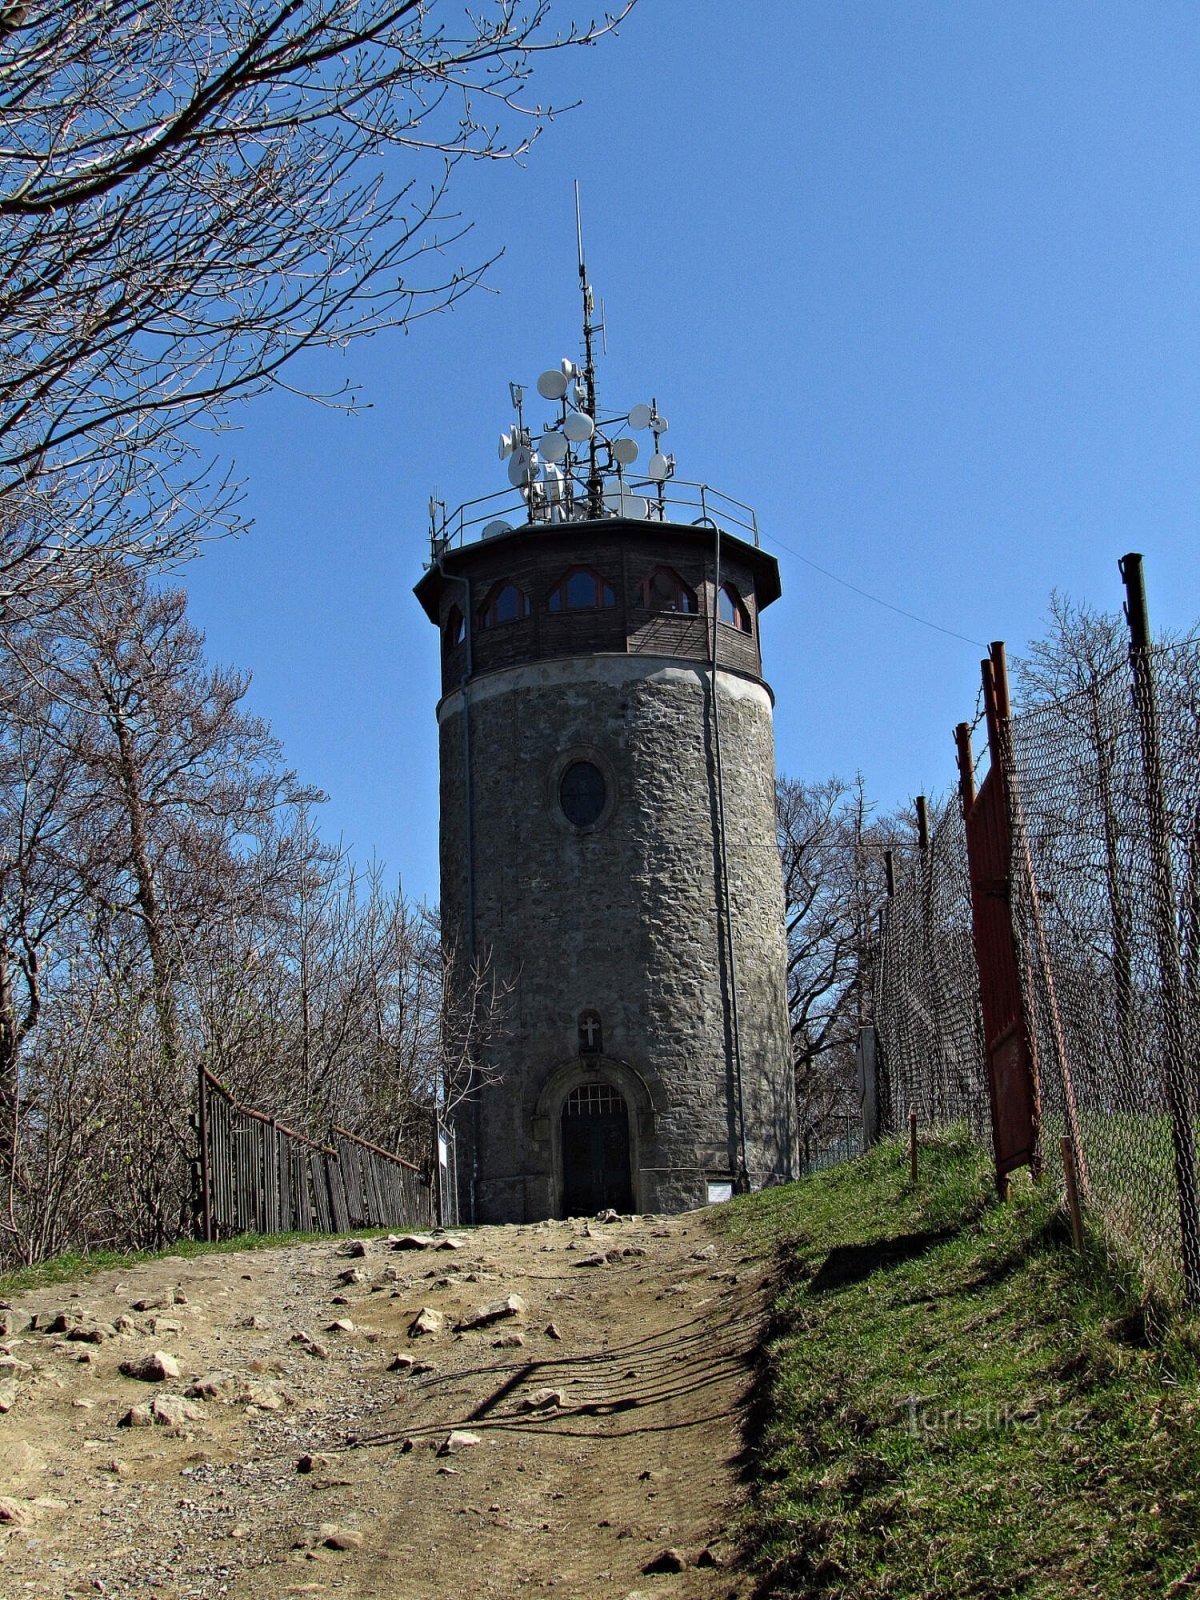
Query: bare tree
point(194, 191)
point(833, 878)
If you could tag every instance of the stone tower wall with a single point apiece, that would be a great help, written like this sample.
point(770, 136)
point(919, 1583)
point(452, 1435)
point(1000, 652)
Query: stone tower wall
point(620, 919)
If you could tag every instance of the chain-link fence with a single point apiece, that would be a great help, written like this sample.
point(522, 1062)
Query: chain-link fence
point(1106, 908)
point(1104, 802)
point(927, 992)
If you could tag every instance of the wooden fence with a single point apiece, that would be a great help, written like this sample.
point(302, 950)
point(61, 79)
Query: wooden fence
point(255, 1175)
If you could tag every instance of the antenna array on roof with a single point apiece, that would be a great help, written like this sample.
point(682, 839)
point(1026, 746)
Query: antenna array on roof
point(578, 466)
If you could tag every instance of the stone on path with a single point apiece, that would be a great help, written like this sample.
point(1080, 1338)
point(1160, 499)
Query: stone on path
point(213, 1386)
point(427, 1320)
point(91, 1333)
point(458, 1439)
point(544, 1400)
point(13, 1514)
point(494, 1311)
point(343, 1539)
point(552, 1331)
point(410, 1241)
point(164, 1411)
point(154, 1368)
point(597, 1260)
point(665, 1561)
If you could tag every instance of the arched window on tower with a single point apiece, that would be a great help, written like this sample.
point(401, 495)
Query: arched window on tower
point(456, 628)
point(505, 603)
point(581, 589)
point(665, 590)
point(731, 608)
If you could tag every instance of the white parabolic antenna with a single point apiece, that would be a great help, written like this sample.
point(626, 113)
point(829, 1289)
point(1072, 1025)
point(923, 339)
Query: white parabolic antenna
point(578, 427)
point(633, 506)
point(625, 451)
point(640, 416)
point(656, 467)
point(524, 467)
point(552, 385)
point(552, 446)
point(493, 528)
point(508, 443)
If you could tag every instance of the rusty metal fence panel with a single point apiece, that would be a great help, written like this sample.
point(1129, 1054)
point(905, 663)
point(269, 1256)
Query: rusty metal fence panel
point(257, 1176)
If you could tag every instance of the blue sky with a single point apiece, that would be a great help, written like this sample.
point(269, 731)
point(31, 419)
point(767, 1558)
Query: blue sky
point(917, 280)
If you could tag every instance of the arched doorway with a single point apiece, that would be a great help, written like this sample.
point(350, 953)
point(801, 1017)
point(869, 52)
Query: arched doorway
point(595, 1151)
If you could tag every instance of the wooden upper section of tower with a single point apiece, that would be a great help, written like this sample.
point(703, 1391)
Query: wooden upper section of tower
point(608, 586)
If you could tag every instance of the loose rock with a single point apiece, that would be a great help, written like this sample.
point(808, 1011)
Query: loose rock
point(665, 1561)
point(154, 1368)
point(494, 1311)
point(544, 1400)
point(458, 1439)
point(213, 1386)
point(427, 1320)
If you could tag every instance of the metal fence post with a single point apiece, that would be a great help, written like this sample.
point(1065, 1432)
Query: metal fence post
point(205, 1182)
point(1174, 1000)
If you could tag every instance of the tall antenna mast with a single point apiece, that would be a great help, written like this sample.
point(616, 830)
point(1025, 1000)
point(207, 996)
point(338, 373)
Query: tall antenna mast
point(595, 482)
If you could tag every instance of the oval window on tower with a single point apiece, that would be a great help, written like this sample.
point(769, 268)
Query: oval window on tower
point(582, 793)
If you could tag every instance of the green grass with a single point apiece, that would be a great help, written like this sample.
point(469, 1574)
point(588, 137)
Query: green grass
point(954, 1403)
point(74, 1265)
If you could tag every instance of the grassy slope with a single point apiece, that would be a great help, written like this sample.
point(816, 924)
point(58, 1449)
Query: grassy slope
point(954, 1403)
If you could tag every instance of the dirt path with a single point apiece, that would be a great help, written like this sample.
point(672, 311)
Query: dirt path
point(604, 1402)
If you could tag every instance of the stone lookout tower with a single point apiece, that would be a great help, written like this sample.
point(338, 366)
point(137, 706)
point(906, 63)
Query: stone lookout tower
point(608, 840)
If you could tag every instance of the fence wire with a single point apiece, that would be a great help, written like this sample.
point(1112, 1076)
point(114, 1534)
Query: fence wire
point(927, 992)
point(1106, 910)
point(1105, 902)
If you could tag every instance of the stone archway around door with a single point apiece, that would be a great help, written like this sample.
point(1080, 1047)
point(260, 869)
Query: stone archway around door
point(598, 1116)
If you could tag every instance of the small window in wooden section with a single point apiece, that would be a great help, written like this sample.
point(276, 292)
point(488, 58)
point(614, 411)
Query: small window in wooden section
point(505, 603)
point(665, 590)
point(731, 608)
point(456, 628)
point(581, 589)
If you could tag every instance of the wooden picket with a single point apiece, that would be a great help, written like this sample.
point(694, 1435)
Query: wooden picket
point(255, 1175)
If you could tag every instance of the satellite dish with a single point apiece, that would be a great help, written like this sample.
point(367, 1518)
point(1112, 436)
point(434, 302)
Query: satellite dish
point(623, 504)
point(524, 467)
point(659, 424)
point(640, 416)
point(569, 369)
point(493, 528)
point(625, 451)
point(552, 385)
point(508, 443)
point(578, 427)
point(552, 446)
point(657, 467)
